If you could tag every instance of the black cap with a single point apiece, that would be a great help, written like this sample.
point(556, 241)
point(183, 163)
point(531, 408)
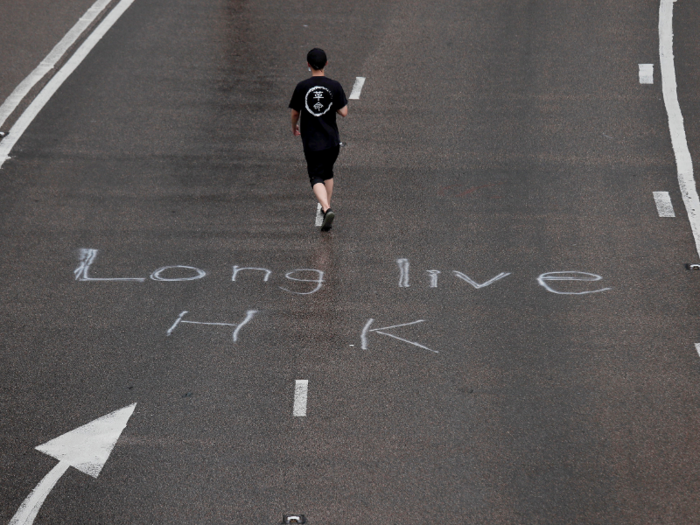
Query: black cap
point(317, 58)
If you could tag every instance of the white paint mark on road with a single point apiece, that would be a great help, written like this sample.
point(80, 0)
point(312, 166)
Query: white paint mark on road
point(301, 391)
point(86, 448)
point(433, 277)
point(50, 60)
point(480, 285)
point(319, 215)
point(366, 330)
point(158, 274)
point(177, 322)
point(237, 269)
point(30, 507)
point(663, 204)
point(404, 267)
point(684, 163)
point(237, 327)
point(646, 73)
point(59, 78)
point(357, 88)
point(86, 258)
point(548, 277)
point(319, 281)
point(697, 348)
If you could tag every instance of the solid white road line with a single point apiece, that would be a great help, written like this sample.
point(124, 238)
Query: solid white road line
point(357, 88)
point(45, 95)
point(684, 163)
point(319, 215)
point(646, 73)
point(51, 59)
point(301, 390)
point(663, 204)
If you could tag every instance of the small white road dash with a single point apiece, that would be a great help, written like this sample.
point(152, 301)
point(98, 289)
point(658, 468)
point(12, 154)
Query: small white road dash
point(301, 390)
point(357, 88)
point(697, 348)
point(646, 73)
point(663, 204)
point(319, 215)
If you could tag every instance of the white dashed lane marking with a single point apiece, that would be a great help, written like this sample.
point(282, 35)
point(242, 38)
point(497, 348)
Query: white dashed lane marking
point(319, 215)
point(357, 88)
point(301, 390)
point(646, 73)
point(663, 204)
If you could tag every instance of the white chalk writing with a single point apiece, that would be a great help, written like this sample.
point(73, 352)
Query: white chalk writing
point(237, 269)
point(237, 327)
point(157, 275)
point(479, 285)
point(318, 281)
point(403, 272)
point(87, 256)
point(548, 277)
point(366, 330)
point(433, 277)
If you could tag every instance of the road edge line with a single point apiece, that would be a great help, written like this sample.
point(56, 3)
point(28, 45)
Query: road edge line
point(684, 162)
point(58, 79)
point(49, 62)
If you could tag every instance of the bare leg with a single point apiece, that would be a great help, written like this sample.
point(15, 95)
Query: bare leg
point(322, 195)
point(328, 183)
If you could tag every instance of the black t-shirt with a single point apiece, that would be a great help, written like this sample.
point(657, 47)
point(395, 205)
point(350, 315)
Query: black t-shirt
point(317, 99)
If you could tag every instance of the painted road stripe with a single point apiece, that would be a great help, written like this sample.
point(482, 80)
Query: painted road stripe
point(663, 204)
point(357, 88)
point(301, 390)
point(51, 59)
point(697, 348)
point(319, 215)
point(646, 73)
point(59, 78)
point(684, 163)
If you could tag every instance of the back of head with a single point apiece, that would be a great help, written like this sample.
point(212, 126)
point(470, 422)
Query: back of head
point(317, 58)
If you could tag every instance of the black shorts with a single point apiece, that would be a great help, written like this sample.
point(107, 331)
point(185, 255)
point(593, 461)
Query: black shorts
point(320, 164)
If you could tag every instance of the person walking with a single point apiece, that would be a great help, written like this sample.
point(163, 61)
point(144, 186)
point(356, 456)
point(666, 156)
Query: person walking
point(317, 100)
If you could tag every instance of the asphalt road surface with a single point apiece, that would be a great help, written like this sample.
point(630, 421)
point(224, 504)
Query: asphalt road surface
point(494, 143)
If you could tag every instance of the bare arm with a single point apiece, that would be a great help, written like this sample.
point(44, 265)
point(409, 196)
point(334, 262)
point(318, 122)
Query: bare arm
point(343, 112)
point(295, 122)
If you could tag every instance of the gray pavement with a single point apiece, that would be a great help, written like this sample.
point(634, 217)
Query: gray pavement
point(490, 138)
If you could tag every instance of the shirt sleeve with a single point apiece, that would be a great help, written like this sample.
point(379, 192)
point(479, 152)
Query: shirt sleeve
point(297, 102)
point(342, 101)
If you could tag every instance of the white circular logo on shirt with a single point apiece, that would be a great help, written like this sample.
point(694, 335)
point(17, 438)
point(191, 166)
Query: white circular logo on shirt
point(318, 100)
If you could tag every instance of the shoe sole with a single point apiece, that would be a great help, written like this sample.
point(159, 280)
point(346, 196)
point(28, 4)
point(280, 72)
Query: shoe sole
point(327, 221)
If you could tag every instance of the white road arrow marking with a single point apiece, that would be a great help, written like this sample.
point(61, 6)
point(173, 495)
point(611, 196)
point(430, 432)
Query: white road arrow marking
point(86, 448)
point(366, 330)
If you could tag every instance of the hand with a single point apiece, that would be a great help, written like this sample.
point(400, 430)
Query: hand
point(295, 130)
